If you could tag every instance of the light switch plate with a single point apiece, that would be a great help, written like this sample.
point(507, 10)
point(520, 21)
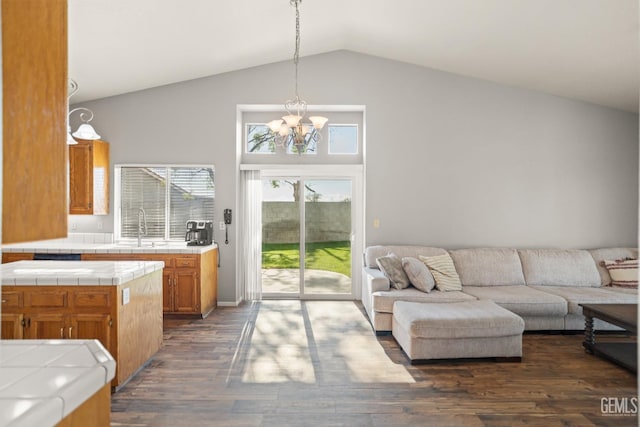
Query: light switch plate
point(222, 225)
point(125, 296)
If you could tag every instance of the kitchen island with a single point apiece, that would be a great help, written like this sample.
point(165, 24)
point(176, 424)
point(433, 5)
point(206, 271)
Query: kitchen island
point(116, 302)
point(55, 383)
point(190, 280)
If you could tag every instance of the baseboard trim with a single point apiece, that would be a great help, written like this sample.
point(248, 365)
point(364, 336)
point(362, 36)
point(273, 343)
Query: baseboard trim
point(229, 303)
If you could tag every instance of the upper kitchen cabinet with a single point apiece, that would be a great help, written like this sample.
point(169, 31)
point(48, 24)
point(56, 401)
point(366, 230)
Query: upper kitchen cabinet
point(89, 178)
point(34, 100)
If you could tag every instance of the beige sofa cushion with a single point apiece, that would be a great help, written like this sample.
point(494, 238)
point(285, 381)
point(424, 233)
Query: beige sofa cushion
point(559, 267)
point(602, 254)
point(468, 319)
point(578, 295)
point(383, 300)
point(371, 253)
point(488, 266)
point(522, 300)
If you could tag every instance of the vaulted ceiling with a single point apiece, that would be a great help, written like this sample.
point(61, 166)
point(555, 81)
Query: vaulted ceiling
point(581, 49)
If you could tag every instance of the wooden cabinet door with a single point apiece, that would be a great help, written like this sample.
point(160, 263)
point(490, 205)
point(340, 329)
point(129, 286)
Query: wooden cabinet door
point(11, 326)
point(34, 98)
point(90, 326)
point(186, 291)
point(80, 179)
point(167, 290)
point(89, 178)
point(46, 326)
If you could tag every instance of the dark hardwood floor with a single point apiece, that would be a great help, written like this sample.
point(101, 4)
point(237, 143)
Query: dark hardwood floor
point(318, 363)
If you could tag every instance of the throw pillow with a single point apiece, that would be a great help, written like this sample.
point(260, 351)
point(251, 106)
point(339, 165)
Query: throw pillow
point(444, 272)
point(623, 272)
point(418, 273)
point(391, 266)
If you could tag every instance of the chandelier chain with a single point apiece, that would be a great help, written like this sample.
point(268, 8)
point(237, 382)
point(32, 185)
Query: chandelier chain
point(294, 132)
point(296, 54)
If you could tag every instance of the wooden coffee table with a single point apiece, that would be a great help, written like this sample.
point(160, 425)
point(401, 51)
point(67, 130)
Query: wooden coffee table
point(625, 316)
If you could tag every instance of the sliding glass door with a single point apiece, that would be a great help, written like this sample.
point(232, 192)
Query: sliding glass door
point(307, 237)
point(327, 237)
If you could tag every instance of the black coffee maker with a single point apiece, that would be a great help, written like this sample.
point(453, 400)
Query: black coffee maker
point(199, 233)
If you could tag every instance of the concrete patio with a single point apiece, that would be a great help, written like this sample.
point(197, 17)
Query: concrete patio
point(287, 281)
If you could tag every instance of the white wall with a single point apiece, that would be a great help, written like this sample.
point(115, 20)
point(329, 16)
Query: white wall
point(451, 161)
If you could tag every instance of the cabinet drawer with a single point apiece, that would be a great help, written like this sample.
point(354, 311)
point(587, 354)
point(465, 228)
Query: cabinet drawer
point(12, 299)
point(113, 257)
point(185, 262)
point(168, 260)
point(91, 299)
point(43, 299)
point(15, 256)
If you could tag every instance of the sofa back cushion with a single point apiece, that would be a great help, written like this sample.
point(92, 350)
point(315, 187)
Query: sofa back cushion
point(603, 254)
point(372, 253)
point(559, 267)
point(488, 266)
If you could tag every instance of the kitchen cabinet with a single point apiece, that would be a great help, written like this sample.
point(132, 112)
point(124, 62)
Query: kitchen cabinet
point(34, 113)
point(190, 281)
point(89, 178)
point(16, 256)
point(130, 330)
point(185, 292)
point(38, 312)
point(75, 326)
point(12, 324)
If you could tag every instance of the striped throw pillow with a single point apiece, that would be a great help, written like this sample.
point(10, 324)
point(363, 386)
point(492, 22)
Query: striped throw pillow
point(623, 272)
point(443, 271)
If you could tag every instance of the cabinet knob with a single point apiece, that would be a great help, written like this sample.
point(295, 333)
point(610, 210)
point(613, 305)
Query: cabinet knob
point(4, 300)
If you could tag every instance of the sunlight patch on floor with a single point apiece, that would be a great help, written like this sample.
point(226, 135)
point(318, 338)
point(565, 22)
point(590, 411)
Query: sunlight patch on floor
point(351, 340)
point(278, 350)
point(316, 342)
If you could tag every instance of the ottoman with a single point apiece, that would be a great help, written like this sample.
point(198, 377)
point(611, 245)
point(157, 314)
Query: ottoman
point(454, 330)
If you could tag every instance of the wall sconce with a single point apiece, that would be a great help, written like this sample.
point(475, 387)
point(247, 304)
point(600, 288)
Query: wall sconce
point(85, 130)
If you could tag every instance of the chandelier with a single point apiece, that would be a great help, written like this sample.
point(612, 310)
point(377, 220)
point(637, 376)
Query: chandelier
point(293, 132)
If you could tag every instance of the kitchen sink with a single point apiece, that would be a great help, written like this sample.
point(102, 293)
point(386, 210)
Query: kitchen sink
point(142, 245)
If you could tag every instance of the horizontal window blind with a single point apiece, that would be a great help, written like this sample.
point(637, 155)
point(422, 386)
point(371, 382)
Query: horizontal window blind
point(169, 196)
point(192, 197)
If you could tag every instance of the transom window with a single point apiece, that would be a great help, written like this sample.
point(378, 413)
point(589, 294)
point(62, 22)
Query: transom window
point(343, 139)
point(340, 139)
point(259, 139)
point(165, 197)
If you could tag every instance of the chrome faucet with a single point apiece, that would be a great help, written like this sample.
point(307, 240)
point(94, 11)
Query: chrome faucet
point(142, 225)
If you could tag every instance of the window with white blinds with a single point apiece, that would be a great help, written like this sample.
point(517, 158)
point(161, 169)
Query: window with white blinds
point(169, 197)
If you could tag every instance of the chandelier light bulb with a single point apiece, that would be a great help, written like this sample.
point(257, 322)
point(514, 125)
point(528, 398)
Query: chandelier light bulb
point(292, 120)
point(318, 121)
point(274, 125)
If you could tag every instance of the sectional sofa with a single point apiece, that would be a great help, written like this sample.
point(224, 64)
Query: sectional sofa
point(542, 286)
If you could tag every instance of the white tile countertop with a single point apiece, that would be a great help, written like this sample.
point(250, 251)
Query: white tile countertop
point(43, 381)
point(64, 246)
point(70, 273)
